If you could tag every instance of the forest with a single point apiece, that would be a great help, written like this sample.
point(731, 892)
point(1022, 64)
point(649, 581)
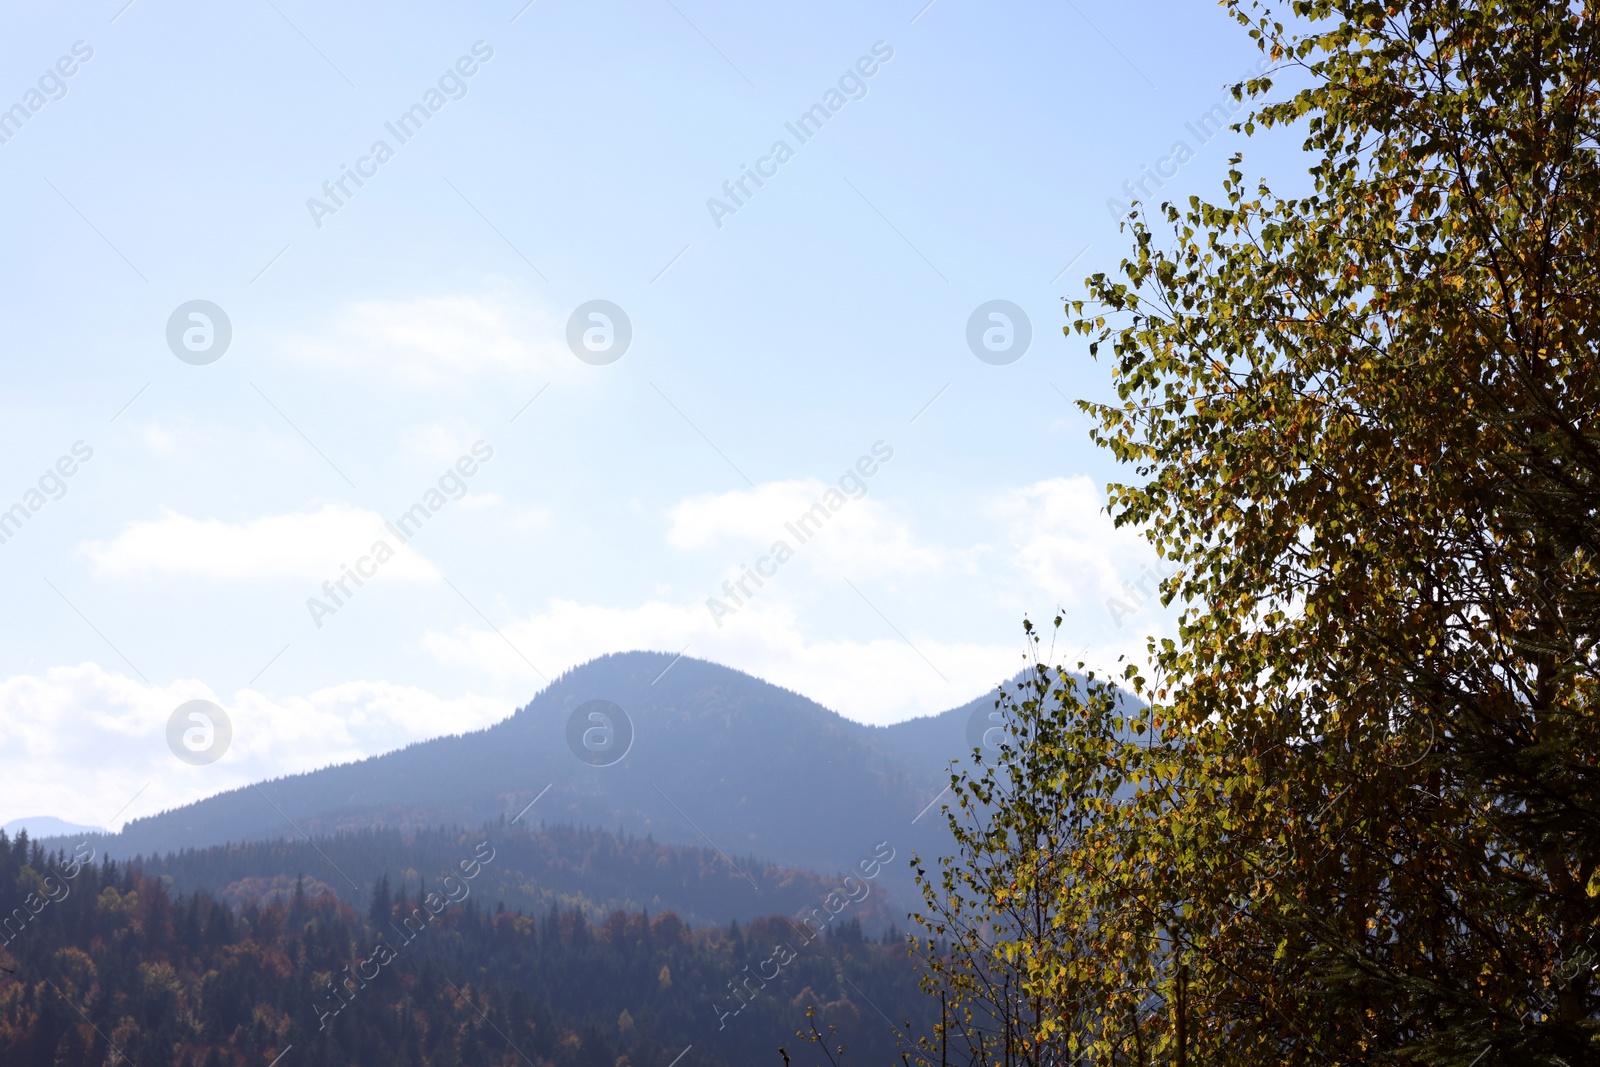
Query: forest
point(103, 965)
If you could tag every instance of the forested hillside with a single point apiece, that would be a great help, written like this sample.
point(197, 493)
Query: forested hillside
point(591, 870)
point(104, 965)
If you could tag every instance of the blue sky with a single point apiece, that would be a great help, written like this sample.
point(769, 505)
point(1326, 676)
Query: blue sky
point(773, 348)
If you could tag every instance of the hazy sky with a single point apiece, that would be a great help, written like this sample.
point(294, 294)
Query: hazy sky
point(391, 330)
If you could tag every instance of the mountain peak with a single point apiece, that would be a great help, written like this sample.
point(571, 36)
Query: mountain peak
point(689, 751)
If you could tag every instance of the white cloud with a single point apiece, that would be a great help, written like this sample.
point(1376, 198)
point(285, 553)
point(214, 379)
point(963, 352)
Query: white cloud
point(1053, 535)
point(433, 340)
point(438, 444)
point(158, 439)
point(81, 742)
point(305, 545)
point(864, 535)
point(1062, 542)
point(876, 681)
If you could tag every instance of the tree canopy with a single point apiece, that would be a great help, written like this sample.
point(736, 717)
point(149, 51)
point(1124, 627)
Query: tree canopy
point(1361, 813)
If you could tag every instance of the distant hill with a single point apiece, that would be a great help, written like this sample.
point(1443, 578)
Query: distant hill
point(47, 826)
point(933, 740)
point(720, 759)
point(533, 869)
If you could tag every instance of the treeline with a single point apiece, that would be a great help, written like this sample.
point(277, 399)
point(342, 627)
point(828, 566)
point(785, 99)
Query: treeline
point(104, 964)
point(566, 866)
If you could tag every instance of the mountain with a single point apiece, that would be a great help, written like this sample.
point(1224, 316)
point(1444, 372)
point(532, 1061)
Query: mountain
point(47, 826)
point(718, 759)
point(933, 740)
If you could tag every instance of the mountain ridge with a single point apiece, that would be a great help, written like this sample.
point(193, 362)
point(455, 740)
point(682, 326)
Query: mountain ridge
point(718, 758)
